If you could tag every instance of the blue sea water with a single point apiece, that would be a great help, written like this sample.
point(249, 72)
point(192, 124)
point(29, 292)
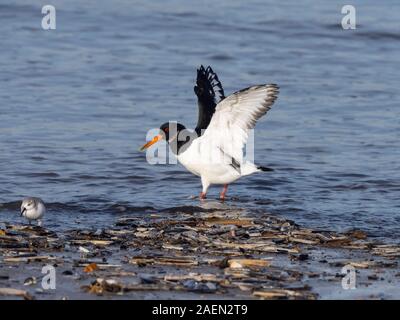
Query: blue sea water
point(77, 102)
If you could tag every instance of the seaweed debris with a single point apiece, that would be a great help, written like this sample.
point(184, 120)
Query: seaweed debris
point(223, 253)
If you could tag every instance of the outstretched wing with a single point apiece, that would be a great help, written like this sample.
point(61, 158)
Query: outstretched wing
point(236, 115)
point(209, 92)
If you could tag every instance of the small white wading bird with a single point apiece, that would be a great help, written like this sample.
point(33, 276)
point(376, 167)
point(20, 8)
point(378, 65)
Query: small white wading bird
point(33, 209)
point(214, 151)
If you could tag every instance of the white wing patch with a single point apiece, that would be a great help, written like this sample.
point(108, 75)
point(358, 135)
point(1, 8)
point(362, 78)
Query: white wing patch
point(235, 116)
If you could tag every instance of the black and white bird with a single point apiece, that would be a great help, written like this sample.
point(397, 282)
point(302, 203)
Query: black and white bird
point(214, 150)
point(33, 209)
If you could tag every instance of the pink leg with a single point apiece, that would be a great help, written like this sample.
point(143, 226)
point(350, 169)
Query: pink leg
point(223, 193)
point(202, 195)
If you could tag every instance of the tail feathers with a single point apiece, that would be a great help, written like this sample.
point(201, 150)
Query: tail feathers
point(264, 168)
point(249, 168)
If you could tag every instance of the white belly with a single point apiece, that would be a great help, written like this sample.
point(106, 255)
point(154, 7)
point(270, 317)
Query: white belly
point(214, 172)
point(35, 213)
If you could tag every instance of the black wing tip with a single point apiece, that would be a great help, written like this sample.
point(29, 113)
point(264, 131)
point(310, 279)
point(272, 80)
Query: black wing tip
point(204, 68)
point(207, 73)
point(265, 168)
point(201, 69)
point(274, 89)
point(269, 86)
point(208, 81)
point(273, 85)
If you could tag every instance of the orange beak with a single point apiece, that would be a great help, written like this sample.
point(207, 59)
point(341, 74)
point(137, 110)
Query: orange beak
point(150, 143)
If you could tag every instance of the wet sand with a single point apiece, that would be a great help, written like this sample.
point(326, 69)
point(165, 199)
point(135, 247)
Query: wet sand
point(196, 254)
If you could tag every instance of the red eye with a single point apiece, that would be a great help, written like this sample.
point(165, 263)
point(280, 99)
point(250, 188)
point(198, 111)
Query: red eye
point(166, 129)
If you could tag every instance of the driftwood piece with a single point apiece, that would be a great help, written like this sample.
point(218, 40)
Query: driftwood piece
point(15, 292)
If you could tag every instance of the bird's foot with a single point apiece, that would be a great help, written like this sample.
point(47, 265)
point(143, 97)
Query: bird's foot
point(202, 195)
point(223, 193)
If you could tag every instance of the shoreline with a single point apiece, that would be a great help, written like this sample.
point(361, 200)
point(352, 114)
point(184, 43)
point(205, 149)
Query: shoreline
point(217, 254)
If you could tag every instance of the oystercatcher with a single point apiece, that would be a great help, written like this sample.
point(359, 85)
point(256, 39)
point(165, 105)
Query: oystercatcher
point(214, 150)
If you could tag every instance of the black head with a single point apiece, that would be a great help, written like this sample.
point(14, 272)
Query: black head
point(171, 130)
